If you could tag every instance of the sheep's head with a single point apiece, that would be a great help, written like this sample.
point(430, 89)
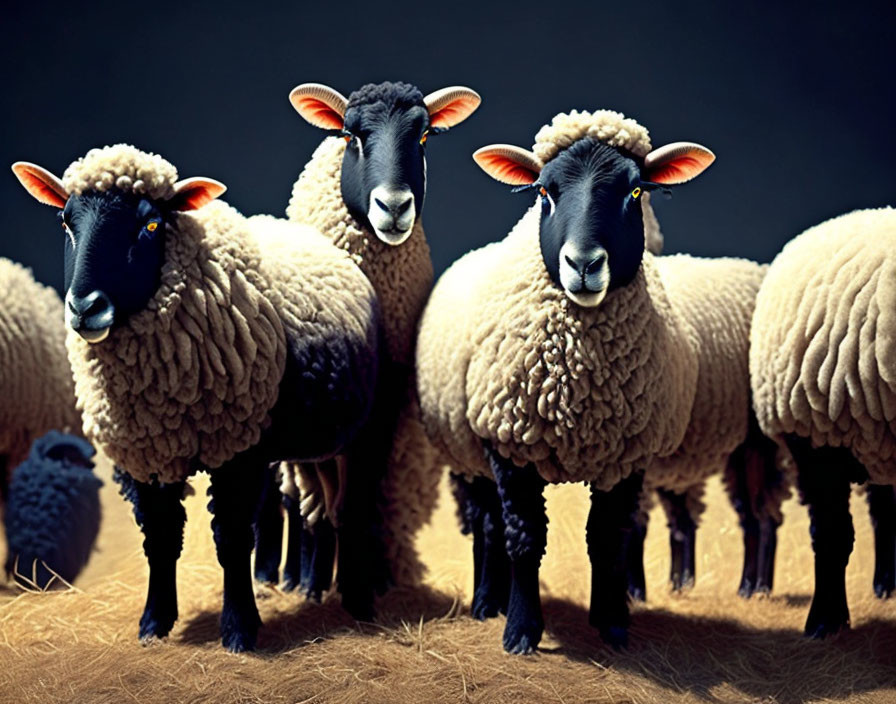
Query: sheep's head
point(592, 227)
point(386, 126)
point(115, 206)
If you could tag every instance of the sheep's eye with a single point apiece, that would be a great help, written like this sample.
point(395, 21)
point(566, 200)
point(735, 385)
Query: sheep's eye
point(152, 226)
point(636, 192)
point(423, 138)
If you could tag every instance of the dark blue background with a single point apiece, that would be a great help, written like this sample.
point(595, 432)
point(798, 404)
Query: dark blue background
point(796, 101)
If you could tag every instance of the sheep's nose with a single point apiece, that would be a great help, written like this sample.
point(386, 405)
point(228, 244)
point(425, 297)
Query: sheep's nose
point(596, 264)
point(394, 203)
point(90, 316)
point(587, 267)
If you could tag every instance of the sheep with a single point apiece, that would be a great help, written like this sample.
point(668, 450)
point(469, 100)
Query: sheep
point(821, 368)
point(577, 358)
point(53, 513)
point(36, 385)
point(203, 340)
point(364, 189)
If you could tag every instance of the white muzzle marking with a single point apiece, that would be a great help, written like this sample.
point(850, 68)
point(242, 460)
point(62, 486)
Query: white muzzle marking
point(391, 213)
point(586, 289)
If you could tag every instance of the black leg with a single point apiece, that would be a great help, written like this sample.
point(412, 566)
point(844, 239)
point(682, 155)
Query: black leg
point(318, 556)
point(682, 539)
point(755, 487)
point(236, 490)
point(882, 507)
point(521, 490)
point(269, 531)
point(824, 478)
point(298, 542)
point(491, 581)
point(637, 584)
point(161, 517)
point(611, 523)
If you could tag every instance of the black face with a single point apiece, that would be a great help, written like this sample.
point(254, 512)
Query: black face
point(384, 167)
point(592, 230)
point(114, 250)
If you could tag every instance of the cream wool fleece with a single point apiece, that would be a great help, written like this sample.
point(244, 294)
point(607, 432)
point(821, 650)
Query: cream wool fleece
point(823, 350)
point(583, 393)
point(36, 385)
point(716, 298)
point(402, 276)
point(189, 382)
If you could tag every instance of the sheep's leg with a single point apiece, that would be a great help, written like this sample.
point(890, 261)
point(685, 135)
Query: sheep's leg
point(682, 539)
point(637, 584)
point(161, 516)
point(882, 507)
point(824, 477)
point(611, 522)
point(480, 510)
point(318, 558)
point(269, 531)
point(235, 490)
point(521, 490)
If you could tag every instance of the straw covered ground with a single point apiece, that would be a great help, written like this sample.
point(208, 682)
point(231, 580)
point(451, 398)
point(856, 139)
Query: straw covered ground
point(708, 645)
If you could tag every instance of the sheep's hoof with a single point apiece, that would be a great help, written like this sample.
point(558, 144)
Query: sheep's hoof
point(745, 590)
point(154, 626)
point(522, 638)
point(637, 593)
point(239, 632)
point(486, 606)
point(615, 636)
point(821, 626)
point(884, 588)
point(311, 594)
point(683, 582)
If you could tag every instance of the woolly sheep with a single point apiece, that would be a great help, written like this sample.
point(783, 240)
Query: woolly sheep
point(36, 386)
point(203, 340)
point(53, 514)
point(822, 361)
point(364, 189)
point(576, 358)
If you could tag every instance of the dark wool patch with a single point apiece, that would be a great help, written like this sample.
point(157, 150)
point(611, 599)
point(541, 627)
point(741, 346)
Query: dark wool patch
point(387, 94)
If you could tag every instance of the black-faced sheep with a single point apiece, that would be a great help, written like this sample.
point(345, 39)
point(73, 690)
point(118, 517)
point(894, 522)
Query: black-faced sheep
point(53, 513)
point(577, 358)
point(364, 189)
point(203, 340)
point(823, 372)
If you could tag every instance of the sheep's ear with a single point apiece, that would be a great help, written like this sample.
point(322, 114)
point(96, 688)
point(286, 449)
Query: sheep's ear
point(321, 105)
point(677, 163)
point(193, 193)
point(451, 106)
point(41, 184)
point(508, 164)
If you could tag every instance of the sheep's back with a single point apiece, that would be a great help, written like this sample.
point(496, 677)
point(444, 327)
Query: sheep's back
point(823, 352)
point(36, 388)
point(716, 298)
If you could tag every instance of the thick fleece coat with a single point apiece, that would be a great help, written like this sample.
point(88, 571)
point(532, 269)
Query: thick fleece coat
point(823, 352)
point(189, 382)
point(402, 278)
point(716, 298)
point(589, 394)
point(36, 388)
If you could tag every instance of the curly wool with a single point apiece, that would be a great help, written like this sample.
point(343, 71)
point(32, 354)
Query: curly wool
point(36, 385)
point(189, 382)
point(823, 356)
point(398, 95)
point(716, 298)
point(583, 393)
point(401, 276)
point(124, 167)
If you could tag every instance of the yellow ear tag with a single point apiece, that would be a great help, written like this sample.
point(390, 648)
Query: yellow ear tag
point(423, 138)
point(636, 192)
point(543, 191)
point(151, 227)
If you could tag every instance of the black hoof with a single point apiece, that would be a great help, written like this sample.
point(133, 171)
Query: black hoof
point(239, 634)
point(615, 636)
point(637, 593)
point(311, 594)
point(824, 625)
point(485, 607)
point(745, 590)
point(290, 584)
point(884, 588)
point(267, 577)
point(155, 624)
point(522, 638)
point(683, 582)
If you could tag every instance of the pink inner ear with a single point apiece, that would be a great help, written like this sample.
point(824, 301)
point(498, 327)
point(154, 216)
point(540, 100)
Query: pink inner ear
point(678, 171)
point(196, 195)
point(503, 169)
point(677, 163)
point(456, 111)
point(39, 190)
point(318, 113)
